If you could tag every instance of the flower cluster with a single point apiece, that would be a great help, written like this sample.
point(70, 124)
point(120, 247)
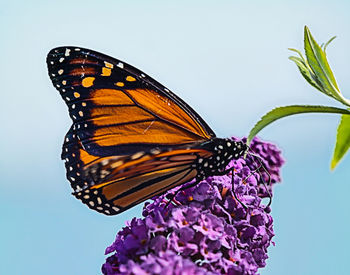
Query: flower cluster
point(208, 228)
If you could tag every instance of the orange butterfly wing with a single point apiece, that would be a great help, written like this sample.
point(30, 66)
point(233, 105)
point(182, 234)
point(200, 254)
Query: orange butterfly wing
point(111, 185)
point(116, 109)
point(119, 112)
point(118, 184)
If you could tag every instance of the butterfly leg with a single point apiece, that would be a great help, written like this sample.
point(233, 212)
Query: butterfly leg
point(181, 189)
point(262, 166)
point(233, 189)
point(232, 170)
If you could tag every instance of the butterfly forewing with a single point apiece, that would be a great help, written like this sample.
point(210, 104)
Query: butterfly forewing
point(117, 109)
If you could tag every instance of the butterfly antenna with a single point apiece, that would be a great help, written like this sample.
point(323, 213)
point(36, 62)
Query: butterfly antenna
point(261, 166)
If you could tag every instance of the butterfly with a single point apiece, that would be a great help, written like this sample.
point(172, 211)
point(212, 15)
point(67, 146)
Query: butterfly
point(131, 137)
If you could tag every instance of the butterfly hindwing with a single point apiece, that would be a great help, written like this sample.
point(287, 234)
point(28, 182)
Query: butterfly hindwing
point(76, 159)
point(116, 185)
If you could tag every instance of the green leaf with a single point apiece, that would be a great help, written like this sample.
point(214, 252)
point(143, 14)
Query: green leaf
point(343, 140)
point(327, 43)
point(317, 60)
point(315, 68)
point(281, 112)
point(305, 72)
point(299, 53)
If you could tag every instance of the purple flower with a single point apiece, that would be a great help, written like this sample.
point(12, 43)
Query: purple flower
point(206, 230)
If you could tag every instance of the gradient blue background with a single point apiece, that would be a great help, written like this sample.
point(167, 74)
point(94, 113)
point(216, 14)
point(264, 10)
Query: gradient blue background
point(228, 60)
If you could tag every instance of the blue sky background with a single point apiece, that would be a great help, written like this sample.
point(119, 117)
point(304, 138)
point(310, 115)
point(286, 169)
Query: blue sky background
point(228, 60)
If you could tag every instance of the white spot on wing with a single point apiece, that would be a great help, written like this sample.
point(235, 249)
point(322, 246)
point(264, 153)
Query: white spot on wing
point(137, 155)
point(105, 162)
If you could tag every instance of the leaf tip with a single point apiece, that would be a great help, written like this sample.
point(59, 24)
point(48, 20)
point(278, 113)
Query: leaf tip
point(334, 163)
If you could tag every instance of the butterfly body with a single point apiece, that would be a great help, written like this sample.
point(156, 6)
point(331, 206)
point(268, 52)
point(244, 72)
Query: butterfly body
point(224, 150)
point(131, 137)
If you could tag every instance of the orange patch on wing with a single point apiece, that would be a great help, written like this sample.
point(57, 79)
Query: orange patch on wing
point(106, 71)
point(138, 132)
point(156, 188)
point(149, 166)
point(108, 65)
point(135, 168)
point(130, 78)
point(88, 81)
point(86, 158)
point(119, 84)
point(151, 162)
point(116, 188)
point(167, 109)
point(110, 97)
point(115, 115)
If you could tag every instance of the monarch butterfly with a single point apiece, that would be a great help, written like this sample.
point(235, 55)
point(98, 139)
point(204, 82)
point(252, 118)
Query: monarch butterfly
point(131, 137)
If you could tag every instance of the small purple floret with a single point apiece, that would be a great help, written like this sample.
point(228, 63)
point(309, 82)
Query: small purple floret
point(206, 230)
